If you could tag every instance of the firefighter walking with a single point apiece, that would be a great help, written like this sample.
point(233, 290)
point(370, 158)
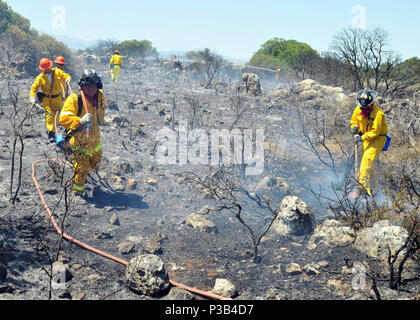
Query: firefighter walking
point(81, 116)
point(49, 82)
point(115, 66)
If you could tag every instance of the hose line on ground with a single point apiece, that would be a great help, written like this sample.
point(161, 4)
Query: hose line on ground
point(97, 251)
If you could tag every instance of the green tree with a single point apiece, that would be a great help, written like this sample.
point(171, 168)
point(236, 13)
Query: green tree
point(50, 48)
point(22, 47)
point(265, 61)
point(400, 76)
point(20, 51)
point(411, 68)
point(291, 55)
point(138, 49)
point(8, 17)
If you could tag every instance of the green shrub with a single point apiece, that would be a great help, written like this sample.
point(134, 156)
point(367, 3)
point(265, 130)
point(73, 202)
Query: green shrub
point(8, 18)
point(50, 48)
point(138, 49)
point(23, 47)
point(291, 55)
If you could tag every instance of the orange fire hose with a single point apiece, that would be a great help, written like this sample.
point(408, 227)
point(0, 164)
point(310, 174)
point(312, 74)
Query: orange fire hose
point(55, 123)
point(69, 87)
point(64, 98)
point(56, 114)
point(356, 162)
point(102, 253)
point(86, 111)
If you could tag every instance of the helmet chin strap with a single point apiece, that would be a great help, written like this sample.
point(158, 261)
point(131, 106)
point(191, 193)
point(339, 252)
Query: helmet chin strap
point(367, 107)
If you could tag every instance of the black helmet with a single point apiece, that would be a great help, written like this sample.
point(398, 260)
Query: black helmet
point(89, 76)
point(366, 97)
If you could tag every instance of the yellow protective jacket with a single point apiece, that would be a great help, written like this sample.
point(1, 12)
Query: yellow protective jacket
point(372, 126)
point(71, 121)
point(116, 59)
point(43, 82)
point(67, 77)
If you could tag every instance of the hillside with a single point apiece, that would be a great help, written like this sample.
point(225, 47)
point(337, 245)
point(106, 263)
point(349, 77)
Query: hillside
point(137, 205)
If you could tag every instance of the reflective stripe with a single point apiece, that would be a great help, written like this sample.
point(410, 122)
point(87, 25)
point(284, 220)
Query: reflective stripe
point(90, 154)
point(78, 188)
point(82, 151)
point(67, 113)
point(99, 147)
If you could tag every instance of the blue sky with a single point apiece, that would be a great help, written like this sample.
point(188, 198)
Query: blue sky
point(233, 28)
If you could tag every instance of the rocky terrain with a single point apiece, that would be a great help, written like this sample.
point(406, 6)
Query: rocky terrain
point(137, 206)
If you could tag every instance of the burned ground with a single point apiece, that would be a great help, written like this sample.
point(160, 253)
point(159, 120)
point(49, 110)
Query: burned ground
point(152, 213)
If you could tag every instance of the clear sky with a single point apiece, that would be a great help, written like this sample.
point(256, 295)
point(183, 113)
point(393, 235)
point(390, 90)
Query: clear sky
point(233, 28)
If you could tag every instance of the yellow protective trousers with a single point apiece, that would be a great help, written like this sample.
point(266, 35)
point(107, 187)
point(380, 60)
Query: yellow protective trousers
point(87, 150)
point(115, 73)
point(371, 151)
point(84, 162)
point(51, 111)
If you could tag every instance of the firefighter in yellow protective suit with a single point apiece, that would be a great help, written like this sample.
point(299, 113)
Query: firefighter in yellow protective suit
point(115, 66)
point(60, 63)
point(83, 127)
point(50, 82)
point(278, 69)
point(369, 126)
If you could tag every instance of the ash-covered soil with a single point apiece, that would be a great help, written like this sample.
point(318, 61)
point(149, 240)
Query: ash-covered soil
point(151, 215)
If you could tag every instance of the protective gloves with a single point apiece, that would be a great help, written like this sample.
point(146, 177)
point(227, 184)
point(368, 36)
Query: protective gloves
point(86, 119)
point(31, 101)
point(357, 138)
point(355, 130)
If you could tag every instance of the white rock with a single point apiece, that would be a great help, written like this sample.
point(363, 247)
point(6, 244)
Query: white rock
point(146, 275)
point(200, 222)
point(294, 218)
point(374, 241)
point(293, 269)
point(224, 288)
point(311, 269)
point(332, 233)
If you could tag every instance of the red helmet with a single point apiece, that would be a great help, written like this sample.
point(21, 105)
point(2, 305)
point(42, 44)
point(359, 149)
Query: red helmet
point(45, 64)
point(60, 60)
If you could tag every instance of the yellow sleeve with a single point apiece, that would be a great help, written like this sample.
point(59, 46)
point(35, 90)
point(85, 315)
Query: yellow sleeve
point(35, 86)
point(111, 61)
point(67, 77)
point(377, 125)
point(103, 106)
point(61, 75)
point(353, 120)
point(68, 115)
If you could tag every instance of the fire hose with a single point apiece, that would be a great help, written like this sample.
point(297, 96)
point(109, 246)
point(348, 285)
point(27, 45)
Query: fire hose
point(97, 251)
point(88, 125)
point(64, 98)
